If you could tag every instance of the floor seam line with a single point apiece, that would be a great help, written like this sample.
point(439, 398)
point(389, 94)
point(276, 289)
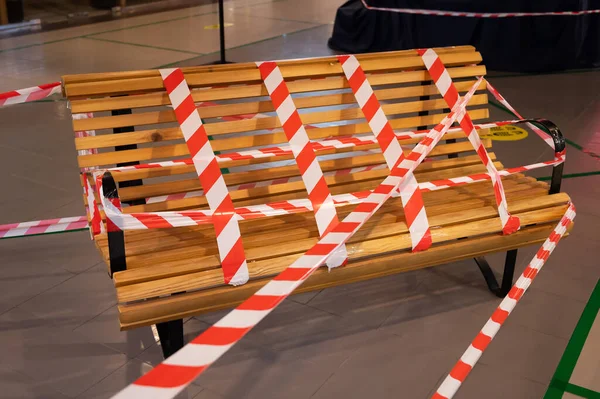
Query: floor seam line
point(143, 45)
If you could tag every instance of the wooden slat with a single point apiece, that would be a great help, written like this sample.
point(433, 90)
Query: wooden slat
point(178, 150)
point(383, 239)
point(110, 140)
point(251, 74)
point(150, 118)
point(477, 192)
point(196, 202)
point(107, 76)
point(283, 171)
point(192, 184)
point(90, 77)
point(160, 254)
point(190, 304)
point(258, 90)
point(279, 137)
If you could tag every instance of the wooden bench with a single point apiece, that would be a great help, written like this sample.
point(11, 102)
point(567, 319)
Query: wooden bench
point(164, 275)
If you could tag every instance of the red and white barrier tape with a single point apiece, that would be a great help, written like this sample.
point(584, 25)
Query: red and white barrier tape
point(29, 94)
point(43, 226)
point(227, 230)
point(136, 221)
point(339, 198)
point(304, 154)
point(411, 196)
point(176, 372)
point(322, 145)
point(469, 359)
point(167, 219)
point(446, 87)
point(442, 13)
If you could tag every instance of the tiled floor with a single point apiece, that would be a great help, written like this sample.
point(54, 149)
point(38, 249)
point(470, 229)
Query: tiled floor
point(392, 337)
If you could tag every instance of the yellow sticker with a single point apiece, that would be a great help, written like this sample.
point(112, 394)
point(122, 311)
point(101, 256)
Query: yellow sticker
point(227, 25)
point(505, 133)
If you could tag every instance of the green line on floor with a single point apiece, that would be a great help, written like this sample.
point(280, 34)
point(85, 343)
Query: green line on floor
point(574, 144)
point(560, 381)
point(142, 45)
point(582, 391)
point(572, 175)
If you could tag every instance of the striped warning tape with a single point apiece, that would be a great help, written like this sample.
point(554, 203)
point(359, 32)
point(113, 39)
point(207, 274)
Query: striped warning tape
point(227, 230)
point(304, 153)
point(319, 145)
point(43, 226)
point(443, 13)
point(468, 360)
point(446, 87)
point(178, 371)
point(291, 207)
point(338, 199)
point(151, 220)
point(29, 94)
point(412, 199)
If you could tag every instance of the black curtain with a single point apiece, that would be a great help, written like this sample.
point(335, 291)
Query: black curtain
point(525, 44)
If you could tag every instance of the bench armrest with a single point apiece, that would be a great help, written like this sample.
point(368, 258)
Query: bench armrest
point(559, 148)
point(115, 236)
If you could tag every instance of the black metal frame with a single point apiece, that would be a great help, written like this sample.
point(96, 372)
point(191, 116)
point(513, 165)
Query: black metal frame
point(501, 290)
point(169, 332)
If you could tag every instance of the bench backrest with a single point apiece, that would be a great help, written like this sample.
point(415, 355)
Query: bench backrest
point(134, 123)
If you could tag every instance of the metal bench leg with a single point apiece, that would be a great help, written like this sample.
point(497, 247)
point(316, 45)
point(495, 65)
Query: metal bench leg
point(171, 336)
point(507, 278)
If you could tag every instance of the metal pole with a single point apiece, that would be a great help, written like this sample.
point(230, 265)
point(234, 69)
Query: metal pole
point(222, 32)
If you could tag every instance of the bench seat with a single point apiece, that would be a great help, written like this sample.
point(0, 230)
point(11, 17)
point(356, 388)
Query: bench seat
point(464, 222)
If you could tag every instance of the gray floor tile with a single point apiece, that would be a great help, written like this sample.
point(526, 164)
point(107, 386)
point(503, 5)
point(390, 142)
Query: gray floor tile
point(72, 251)
point(250, 370)
point(564, 286)
point(54, 357)
point(193, 35)
point(305, 297)
point(368, 303)
point(387, 368)
point(310, 10)
point(25, 274)
point(18, 386)
point(260, 373)
point(523, 352)
point(125, 375)
point(433, 321)
point(541, 311)
point(153, 354)
point(104, 329)
point(310, 42)
point(489, 383)
point(94, 292)
point(207, 394)
point(582, 193)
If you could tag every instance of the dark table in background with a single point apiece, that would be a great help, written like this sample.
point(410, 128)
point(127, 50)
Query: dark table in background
point(524, 44)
